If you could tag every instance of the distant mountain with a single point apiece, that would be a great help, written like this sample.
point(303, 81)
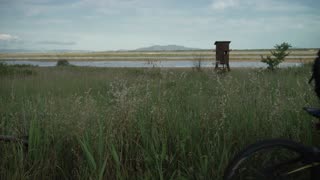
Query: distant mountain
point(165, 48)
point(39, 51)
point(16, 51)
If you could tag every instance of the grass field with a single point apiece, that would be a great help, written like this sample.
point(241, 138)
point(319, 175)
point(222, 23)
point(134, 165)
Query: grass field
point(296, 55)
point(100, 123)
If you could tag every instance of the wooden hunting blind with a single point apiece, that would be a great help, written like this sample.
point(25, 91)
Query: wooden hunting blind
point(222, 54)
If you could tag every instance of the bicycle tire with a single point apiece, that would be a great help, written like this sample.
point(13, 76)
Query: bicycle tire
point(303, 156)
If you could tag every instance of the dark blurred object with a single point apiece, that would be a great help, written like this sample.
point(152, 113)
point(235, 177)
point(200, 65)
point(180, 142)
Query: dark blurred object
point(316, 75)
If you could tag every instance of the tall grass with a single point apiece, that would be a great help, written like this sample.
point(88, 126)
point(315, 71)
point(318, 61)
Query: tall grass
point(11, 70)
point(99, 123)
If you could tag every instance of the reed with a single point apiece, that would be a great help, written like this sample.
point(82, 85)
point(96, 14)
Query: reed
point(110, 123)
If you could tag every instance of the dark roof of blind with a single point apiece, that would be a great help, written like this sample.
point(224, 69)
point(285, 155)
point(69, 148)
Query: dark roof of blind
point(218, 42)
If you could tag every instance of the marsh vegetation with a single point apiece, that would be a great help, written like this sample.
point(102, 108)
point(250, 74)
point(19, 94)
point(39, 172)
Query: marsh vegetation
point(100, 123)
point(296, 55)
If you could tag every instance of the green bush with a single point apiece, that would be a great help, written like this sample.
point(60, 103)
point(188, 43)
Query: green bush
point(277, 56)
point(5, 69)
point(23, 65)
point(63, 63)
point(17, 69)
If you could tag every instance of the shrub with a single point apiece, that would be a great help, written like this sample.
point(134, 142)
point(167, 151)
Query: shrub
point(5, 69)
point(23, 65)
point(25, 72)
point(198, 62)
point(277, 56)
point(8, 70)
point(63, 63)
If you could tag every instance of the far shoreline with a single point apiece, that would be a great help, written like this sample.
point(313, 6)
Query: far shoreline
point(306, 60)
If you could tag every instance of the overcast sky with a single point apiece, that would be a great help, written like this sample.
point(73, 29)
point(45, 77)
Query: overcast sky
point(130, 24)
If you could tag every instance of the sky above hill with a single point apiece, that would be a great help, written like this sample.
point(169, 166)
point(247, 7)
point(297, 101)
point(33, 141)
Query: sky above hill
point(130, 24)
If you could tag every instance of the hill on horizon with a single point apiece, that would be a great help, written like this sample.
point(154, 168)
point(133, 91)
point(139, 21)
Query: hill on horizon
point(42, 51)
point(166, 48)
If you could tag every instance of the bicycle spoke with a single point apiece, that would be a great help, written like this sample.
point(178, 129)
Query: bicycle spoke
point(307, 166)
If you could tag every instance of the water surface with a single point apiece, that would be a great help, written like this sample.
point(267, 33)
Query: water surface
point(146, 64)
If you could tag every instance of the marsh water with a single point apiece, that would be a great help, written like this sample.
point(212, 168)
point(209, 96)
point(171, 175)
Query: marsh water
point(149, 64)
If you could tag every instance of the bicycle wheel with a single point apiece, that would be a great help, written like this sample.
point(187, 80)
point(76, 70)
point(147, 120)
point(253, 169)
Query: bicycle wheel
point(271, 159)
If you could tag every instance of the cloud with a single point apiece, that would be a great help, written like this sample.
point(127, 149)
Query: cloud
point(63, 43)
point(280, 6)
point(53, 21)
point(8, 37)
point(32, 8)
point(117, 7)
point(223, 4)
point(259, 5)
point(110, 3)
